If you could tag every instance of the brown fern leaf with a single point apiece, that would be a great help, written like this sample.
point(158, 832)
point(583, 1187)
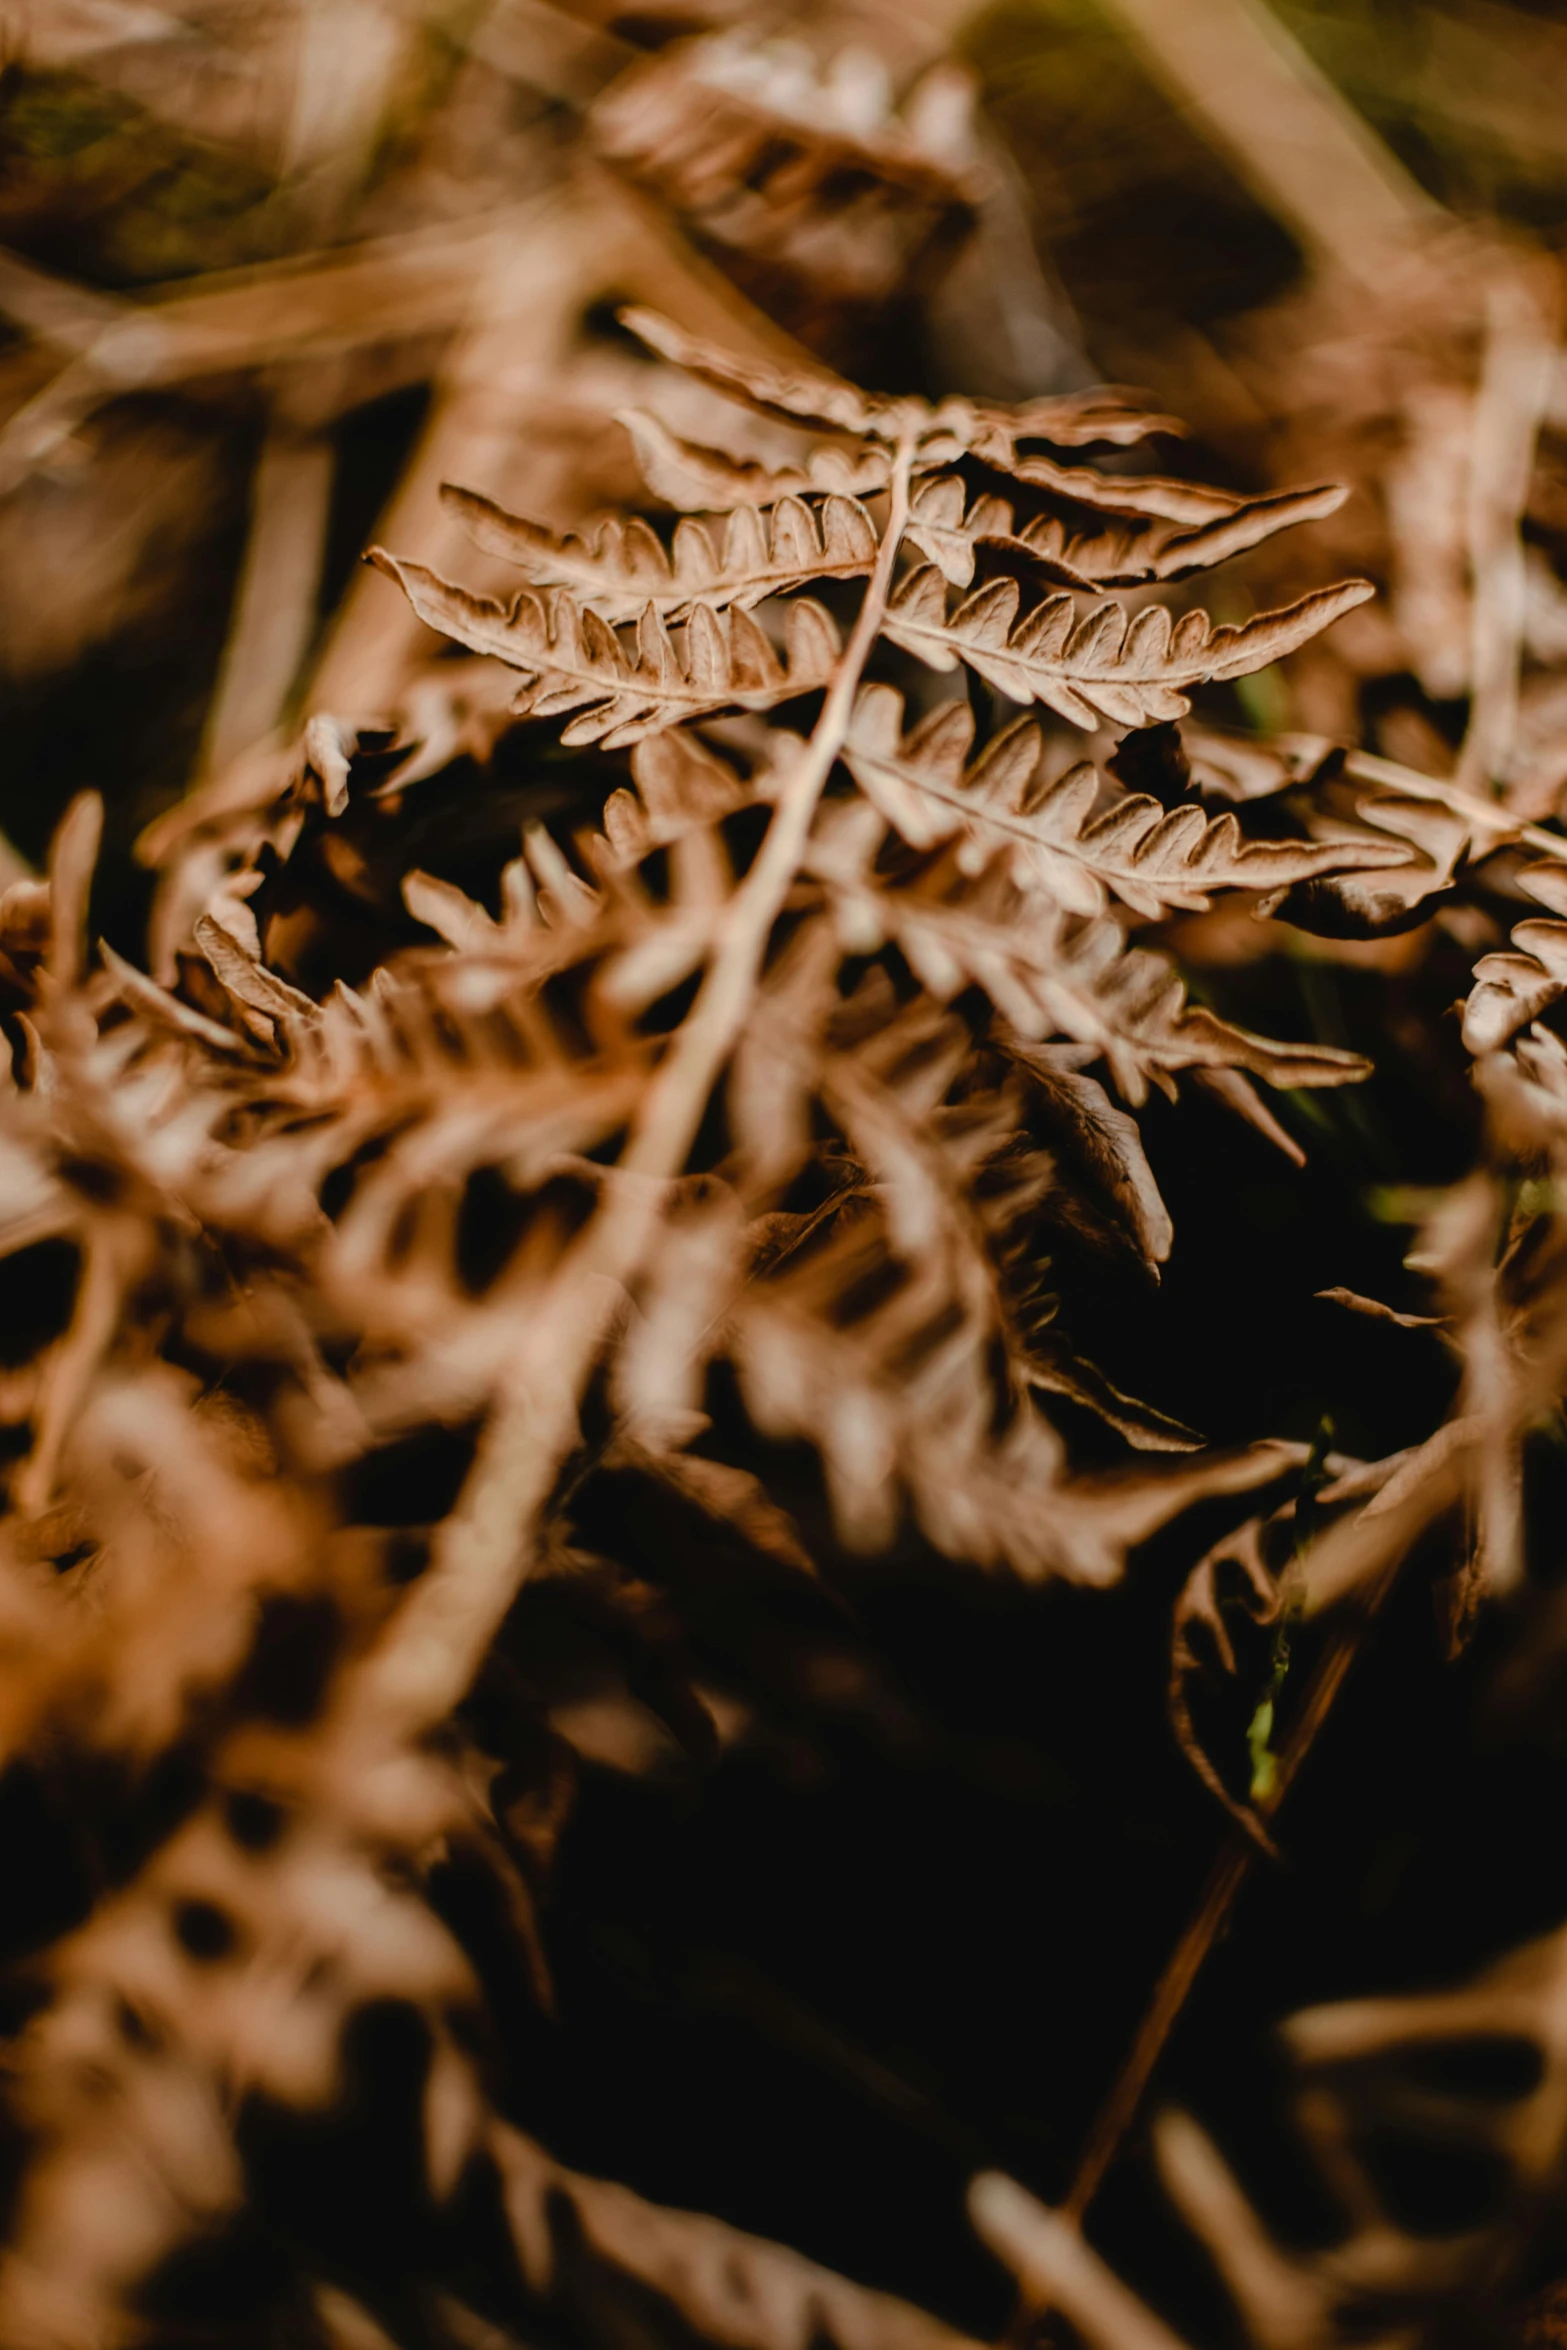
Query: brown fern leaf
point(625, 568)
point(680, 786)
point(726, 1496)
point(1098, 1142)
point(926, 1347)
point(1171, 528)
point(696, 479)
point(1001, 805)
point(881, 1344)
point(886, 1392)
point(1051, 973)
point(799, 395)
point(955, 427)
point(1395, 897)
point(957, 1190)
point(573, 661)
point(1127, 557)
point(1160, 497)
point(1525, 1092)
point(266, 1006)
point(1512, 989)
point(951, 529)
point(1108, 664)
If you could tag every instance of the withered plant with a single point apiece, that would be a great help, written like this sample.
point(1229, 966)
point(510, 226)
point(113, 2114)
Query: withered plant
point(398, 1252)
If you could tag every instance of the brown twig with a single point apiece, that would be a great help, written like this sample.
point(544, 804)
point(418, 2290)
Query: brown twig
point(274, 606)
point(1230, 1871)
point(1378, 1540)
point(1516, 381)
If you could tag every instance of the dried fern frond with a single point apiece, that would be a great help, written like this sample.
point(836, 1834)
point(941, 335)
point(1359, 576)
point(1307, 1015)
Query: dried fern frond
point(1050, 972)
point(571, 658)
point(951, 527)
point(717, 1126)
point(1106, 663)
point(1158, 549)
point(626, 567)
point(1058, 833)
point(571, 1309)
point(1102, 1145)
point(953, 428)
point(693, 478)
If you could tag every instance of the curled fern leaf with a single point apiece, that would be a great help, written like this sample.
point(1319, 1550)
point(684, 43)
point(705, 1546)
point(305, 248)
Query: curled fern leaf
point(697, 479)
point(952, 530)
point(1110, 665)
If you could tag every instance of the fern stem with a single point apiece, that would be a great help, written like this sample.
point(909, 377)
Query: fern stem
point(1229, 1874)
point(679, 1093)
point(430, 1652)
